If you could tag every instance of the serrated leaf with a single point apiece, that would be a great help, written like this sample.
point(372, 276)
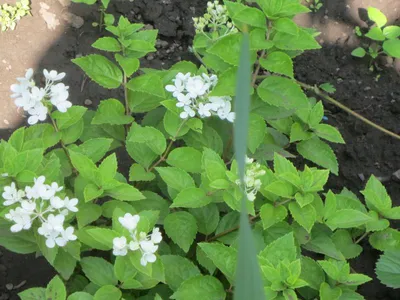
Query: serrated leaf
point(177, 270)
point(388, 269)
point(70, 117)
point(95, 148)
point(200, 287)
point(148, 135)
point(257, 128)
point(111, 111)
point(328, 293)
point(306, 216)
point(328, 87)
point(282, 92)
point(107, 292)
point(147, 83)
point(128, 64)
point(347, 218)
point(176, 178)
point(98, 270)
point(244, 14)
point(280, 249)
point(232, 42)
point(101, 70)
point(344, 243)
point(311, 272)
point(329, 133)
point(138, 173)
point(376, 196)
point(207, 218)
point(185, 158)
point(55, 290)
point(286, 25)
point(283, 8)
point(191, 197)
point(298, 133)
point(320, 153)
point(385, 240)
point(223, 257)
point(270, 215)
point(181, 227)
point(278, 62)
point(124, 192)
point(107, 44)
point(302, 41)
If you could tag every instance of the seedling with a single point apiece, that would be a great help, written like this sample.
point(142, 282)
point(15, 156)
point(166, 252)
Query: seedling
point(314, 5)
point(11, 14)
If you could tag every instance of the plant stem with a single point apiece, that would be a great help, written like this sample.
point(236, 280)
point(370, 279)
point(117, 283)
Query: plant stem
point(258, 66)
point(63, 145)
point(361, 238)
point(127, 109)
point(324, 96)
point(166, 152)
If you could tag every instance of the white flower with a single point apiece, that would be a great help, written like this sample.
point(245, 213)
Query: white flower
point(196, 86)
point(50, 234)
point(225, 112)
point(217, 102)
point(53, 75)
point(56, 202)
point(211, 80)
point(51, 190)
point(129, 222)
point(38, 113)
point(66, 235)
point(188, 112)
point(183, 100)
point(21, 219)
point(38, 189)
point(177, 88)
point(148, 249)
point(4, 175)
point(156, 236)
point(204, 110)
point(25, 101)
point(37, 94)
point(120, 247)
point(24, 84)
point(56, 222)
point(71, 204)
point(134, 245)
point(12, 195)
point(59, 95)
point(28, 206)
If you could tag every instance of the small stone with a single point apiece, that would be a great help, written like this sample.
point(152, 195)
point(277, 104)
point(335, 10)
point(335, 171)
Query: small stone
point(9, 286)
point(180, 48)
point(88, 102)
point(74, 20)
point(148, 27)
point(150, 57)
point(361, 176)
point(78, 55)
point(164, 44)
point(326, 17)
point(6, 122)
point(367, 88)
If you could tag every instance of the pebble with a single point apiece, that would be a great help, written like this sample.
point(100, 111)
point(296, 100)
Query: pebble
point(150, 57)
point(6, 122)
point(367, 88)
point(361, 176)
point(9, 286)
point(74, 20)
point(396, 176)
point(88, 102)
point(148, 27)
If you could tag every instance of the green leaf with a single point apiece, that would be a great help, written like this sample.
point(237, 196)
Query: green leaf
point(299, 133)
point(185, 158)
point(282, 8)
point(226, 82)
point(232, 42)
point(98, 238)
point(347, 218)
point(207, 218)
point(200, 287)
point(111, 111)
point(87, 214)
point(244, 14)
point(328, 293)
point(385, 240)
point(223, 257)
point(321, 242)
point(85, 166)
point(392, 48)
point(306, 216)
point(375, 34)
point(282, 92)
point(278, 62)
point(108, 167)
point(377, 16)
point(37, 293)
point(124, 192)
point(257, 129)
point(65, 263)
point(344, 243)
point(388, 269)
point(376, 196)
point(320, 153)
point(356, 279)
point(359, 52)
point(213, 164)
point(280, 249)
point(138, 173)
point(175, 178)
point(69, 118)
point(316, 114)
point(377, 224)
point(107, 44)
point(98, 270)
point(55, 290)
point(125, 273)
point(129, 65)
point(311, 272)
point(191, 198)
point(181, 227)
point(270, 214)
point(108, 292)
point(141, 153)
point(92, 192)
point(152, 137)
point(328, 87)
point(174, 125)
point(80, 296)
point(391, 32)
point(96, 148)
point(302, 41)
point(147, 83)
point(281, 188)
point(177, 270)
point(209, 138)
point(329, 133)
point(101, 70)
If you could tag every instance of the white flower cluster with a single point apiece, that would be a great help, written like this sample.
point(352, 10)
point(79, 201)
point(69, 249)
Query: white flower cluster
point(40, 202)
point(192, 92)
point(215, 18)
point(147, 244)
point(35, 100)
point(251, 178)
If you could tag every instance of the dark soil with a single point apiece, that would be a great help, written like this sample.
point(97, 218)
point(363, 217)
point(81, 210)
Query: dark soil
point(367, 151)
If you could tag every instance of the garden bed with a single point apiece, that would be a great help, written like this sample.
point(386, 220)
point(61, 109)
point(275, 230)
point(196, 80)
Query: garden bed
point(367, 151)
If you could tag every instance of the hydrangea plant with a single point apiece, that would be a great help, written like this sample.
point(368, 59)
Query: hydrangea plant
point(176, 225)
